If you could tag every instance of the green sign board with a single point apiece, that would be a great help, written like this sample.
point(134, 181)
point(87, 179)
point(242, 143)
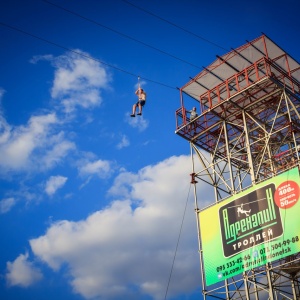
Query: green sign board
point(257, 226)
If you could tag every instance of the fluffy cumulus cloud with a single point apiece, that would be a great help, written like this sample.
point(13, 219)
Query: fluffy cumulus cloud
point(33, 145)
point(22, 272)
point(126, 250)
point(7, 204)
point(124, 142)
point(54, 183)
point(60, 148)
point(41, 143)
point(18, 143)
point(99, 167)
point(138, 122)
point(78, 80)
point(2, 91)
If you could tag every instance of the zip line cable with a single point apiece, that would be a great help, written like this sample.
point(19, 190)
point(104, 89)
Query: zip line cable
point(136, 40)
point(119, 33)
point(84, 55)
point(175, 25)
point(181, 226)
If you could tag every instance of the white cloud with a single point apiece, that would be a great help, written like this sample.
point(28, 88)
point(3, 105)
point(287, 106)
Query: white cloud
point(7, 204)
point(101, 168)
point(138, 122)
point(54, 183)
point(38, 58)
point(21, 272)
point(131, 243)
point(122, 185)
point(33, 146)
point(61, 147)
point(21, 141)
point(40, 144)
point(5, 130)
point(124, 142)
point(78, 80)
point(2, 91)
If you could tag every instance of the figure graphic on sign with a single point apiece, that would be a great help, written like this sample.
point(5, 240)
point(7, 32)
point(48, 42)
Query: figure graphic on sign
point(242, 211)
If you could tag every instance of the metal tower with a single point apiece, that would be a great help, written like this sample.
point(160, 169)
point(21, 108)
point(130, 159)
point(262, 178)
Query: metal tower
point(247, 131)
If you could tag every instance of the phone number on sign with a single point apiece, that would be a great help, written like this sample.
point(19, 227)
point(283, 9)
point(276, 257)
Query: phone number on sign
point(237, 262)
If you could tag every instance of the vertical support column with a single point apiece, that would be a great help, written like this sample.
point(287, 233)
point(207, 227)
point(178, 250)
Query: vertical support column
point(293, 288)
point(251, 169)
point(233, 191)
point(226, 289)
point(287, 101)
point(183, 108)
point(297, 288)
point(245, 277)
point(270, 283)
point(193, 181)
point(272, 166)
point(240, 180)
point(254, 284)
point(214, 178)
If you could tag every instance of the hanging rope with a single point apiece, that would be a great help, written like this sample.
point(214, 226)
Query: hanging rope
point(139, 87)
point(171, 271)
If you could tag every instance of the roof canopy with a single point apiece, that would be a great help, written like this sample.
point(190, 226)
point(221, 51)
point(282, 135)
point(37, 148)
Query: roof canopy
point(237, 60)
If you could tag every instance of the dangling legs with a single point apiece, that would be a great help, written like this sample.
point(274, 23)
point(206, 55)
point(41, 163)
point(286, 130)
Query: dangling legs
point(140, 109)
point(141, 105)
point(133, 110)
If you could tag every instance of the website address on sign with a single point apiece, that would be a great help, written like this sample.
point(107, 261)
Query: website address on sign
point(260, 257)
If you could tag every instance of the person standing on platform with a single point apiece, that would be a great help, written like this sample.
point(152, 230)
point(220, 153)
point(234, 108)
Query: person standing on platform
point(193, 115)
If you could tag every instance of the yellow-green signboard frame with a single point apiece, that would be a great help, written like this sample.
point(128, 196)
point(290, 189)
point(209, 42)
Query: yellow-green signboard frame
point(252, 228)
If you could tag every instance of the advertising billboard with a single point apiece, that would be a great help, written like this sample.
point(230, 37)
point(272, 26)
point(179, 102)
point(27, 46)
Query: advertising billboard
point(257, 226)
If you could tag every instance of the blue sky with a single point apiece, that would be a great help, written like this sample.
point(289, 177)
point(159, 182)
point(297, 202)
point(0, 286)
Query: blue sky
point(91, 200)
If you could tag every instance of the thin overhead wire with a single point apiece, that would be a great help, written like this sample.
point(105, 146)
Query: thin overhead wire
point(119, 33)
point(83, 55)
point(175, 25)
point(176, 249)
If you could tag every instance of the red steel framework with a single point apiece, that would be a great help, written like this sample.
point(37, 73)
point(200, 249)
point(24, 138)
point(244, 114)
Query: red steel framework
point(247, 131)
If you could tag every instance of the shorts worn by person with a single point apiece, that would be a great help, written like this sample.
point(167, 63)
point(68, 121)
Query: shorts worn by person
point(140, 103)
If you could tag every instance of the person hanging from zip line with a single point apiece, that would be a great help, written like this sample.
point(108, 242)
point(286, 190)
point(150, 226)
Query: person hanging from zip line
point(141, 94)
